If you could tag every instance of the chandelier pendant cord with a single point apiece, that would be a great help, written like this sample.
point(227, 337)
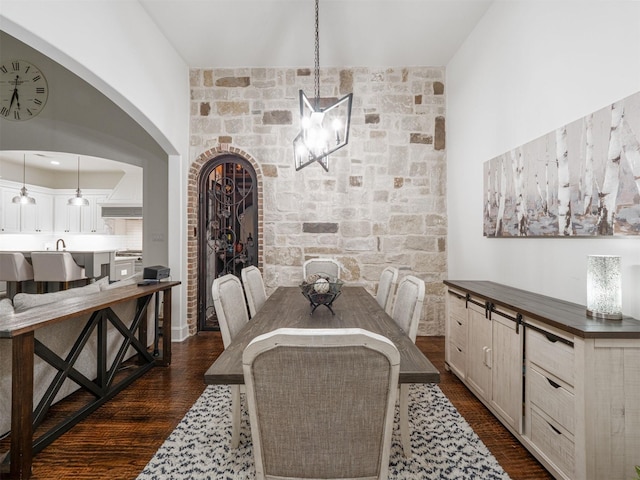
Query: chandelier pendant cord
point(317, 59)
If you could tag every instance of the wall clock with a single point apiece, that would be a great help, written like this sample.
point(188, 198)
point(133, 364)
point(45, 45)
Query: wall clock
point(23, 90)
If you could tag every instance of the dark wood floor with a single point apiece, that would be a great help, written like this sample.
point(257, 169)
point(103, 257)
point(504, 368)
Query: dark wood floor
point(118, 440)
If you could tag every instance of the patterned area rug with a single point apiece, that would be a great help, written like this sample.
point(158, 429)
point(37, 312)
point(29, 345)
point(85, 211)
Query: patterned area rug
point(444, 445)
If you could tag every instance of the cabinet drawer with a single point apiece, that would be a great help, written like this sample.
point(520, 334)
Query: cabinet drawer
point(558, 446)
point(457, 360)
point(457, 305)
point(458, 331)
point(553, 399)
point(552, 355)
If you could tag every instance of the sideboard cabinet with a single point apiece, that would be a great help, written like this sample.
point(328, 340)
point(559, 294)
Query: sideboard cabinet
point(567, 386)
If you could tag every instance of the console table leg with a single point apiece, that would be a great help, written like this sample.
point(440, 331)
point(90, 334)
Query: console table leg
point(22, 406)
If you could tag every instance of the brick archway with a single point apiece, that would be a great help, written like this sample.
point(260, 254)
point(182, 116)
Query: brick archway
point(192, 223)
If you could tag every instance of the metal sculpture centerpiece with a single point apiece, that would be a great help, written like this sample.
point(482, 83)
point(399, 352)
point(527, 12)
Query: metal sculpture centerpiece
point(321, 289)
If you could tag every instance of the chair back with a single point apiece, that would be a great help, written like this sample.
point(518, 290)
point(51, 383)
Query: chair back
point(321, 403)
point(55, 267)
point(253, 289)
point(321, 265)
point(231, 309)
point(14, 267)
point(387, 287)
point(407, 307)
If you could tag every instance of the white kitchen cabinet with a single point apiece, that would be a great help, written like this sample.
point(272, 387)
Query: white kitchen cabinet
point(66, 218)
point(10, 212)
point(37, 218)
point(28, 218)
point(74, 219)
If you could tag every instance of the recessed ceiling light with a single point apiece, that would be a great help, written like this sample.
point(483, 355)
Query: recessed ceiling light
point(55, 162)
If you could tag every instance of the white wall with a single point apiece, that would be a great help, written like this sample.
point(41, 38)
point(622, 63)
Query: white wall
point(115, 47)
point(528, 68)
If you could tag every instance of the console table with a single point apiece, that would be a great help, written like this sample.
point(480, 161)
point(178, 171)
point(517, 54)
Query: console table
point(578, 378)
point(97, 308)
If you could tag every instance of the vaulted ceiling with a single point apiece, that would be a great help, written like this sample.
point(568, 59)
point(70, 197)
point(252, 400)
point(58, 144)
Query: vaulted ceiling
point(280, 33)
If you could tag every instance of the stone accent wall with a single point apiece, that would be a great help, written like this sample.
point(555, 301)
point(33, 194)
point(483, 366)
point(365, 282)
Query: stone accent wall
point(383, 201)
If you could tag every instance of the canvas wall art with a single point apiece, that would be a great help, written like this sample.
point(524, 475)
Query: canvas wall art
point(582, 179)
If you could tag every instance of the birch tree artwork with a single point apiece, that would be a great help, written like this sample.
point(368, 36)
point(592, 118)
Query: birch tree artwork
point(582, 179)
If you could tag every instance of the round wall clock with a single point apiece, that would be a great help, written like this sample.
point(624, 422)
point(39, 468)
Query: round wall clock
point(23, 90)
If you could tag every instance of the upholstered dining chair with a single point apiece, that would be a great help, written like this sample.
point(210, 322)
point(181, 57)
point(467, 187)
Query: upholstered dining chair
point(14, 269)
point(56, 267)
point(231, 310)
point(253, 289)
point(321, 403)
point(407, 308)
point(321, 265)
point(386, 288)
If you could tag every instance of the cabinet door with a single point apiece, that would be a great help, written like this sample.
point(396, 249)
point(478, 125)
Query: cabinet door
point(479, 350)
point(10, 212)
point(66, 218)
point(44, 213)
point(506, 369)
point(92, 221)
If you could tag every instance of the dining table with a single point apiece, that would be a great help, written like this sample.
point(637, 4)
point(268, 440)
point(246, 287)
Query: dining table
point(287, 307)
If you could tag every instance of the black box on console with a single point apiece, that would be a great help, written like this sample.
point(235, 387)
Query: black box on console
point(157, 272)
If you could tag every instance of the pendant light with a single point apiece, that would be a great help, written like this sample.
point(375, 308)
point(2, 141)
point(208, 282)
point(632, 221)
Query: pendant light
point(323, 130)
point(24, 198)
point(78, 201)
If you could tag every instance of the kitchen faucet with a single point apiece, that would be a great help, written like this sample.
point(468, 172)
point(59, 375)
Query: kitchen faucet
point(58, 244)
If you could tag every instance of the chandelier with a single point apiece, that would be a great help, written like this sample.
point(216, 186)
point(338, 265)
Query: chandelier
point(322, 130)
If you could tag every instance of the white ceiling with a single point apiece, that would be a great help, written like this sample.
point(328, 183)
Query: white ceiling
point(66, 162)
point(280, 33)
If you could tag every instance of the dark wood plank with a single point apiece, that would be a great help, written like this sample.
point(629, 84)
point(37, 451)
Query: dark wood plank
point(15, 324)
point(566, 316)
point(22, 405)
point(355, 308)
point(134, 424)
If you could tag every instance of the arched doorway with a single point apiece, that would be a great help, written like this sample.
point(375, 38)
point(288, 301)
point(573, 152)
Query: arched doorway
point(227, 226)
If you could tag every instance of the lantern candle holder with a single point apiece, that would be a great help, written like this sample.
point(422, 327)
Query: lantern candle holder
point(604, 287)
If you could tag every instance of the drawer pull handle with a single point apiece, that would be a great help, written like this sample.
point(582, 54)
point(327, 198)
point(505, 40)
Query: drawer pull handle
point(554, 429)
point(552, 383)
point(458, 350)
point(552, 338)
point(458, 323)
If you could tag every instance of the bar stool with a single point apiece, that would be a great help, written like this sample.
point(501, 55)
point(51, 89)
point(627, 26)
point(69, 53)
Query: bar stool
point(56, 267)
point(14, 269)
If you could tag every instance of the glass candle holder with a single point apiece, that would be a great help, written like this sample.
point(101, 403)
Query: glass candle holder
point(604, 287)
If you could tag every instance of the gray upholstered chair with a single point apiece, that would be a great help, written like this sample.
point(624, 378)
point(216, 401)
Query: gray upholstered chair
point(407, 309)
point(321, 403)
point(14, 269)
point(56, 267)
point(253, 289)
point(321, 265)
point(231, 310)
point(386, 288)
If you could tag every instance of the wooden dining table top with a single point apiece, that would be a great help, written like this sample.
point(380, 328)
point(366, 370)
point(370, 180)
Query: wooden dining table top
point(354, 308)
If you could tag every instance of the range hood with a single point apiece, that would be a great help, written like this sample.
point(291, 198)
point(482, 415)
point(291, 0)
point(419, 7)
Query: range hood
point(121, 211)
point(127, 192)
